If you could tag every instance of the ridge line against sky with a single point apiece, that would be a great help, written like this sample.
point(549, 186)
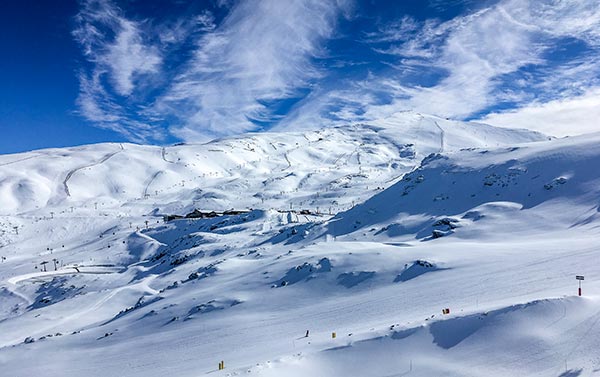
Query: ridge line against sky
point(159, 72)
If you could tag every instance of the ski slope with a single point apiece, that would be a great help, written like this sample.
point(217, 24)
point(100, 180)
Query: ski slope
point(405, 216)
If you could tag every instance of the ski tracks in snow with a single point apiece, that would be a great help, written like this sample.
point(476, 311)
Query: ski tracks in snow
point(163, 154)
point(101, 161)
point(12, 288)
point(442, 136)
point(15, 161)
point(147, 186)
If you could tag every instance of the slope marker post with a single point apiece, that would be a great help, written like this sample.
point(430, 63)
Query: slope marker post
point(579, 278)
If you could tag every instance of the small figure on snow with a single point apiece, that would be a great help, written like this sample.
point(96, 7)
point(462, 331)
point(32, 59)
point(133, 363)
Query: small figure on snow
point(306, 336)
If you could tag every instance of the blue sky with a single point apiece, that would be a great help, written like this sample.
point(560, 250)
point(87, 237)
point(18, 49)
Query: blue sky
point(74, 72)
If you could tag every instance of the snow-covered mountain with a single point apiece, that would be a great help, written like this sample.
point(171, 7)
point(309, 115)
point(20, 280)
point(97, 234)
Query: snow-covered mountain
point(367, 231)
point(280, 169)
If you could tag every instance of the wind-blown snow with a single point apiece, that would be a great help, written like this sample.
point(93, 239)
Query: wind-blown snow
point(403, 217)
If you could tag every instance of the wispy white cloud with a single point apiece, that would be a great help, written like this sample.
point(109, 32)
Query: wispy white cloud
point(575, 18)
point(479, 48)
point(504, 39)
point(118, 58)
point(471, 50)
point(128, 57)
point(97, 105)
point(237, 70)
point(176, 31)
point(115, 44)
point(260, 53)
point(474, 56)
point(563, 117)
point(410, 38)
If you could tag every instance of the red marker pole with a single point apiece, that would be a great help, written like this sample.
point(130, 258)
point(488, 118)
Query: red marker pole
point(579, 278)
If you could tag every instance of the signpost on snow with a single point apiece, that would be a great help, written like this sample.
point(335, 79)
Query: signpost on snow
point(579, 278)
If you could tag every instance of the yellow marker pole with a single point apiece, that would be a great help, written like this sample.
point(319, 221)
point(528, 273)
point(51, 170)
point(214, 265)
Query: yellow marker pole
point(333, 335)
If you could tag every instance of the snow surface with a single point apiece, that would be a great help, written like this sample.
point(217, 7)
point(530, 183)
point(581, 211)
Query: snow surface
point(404, 217)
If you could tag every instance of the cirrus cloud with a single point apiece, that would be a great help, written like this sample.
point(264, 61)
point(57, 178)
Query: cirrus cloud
point(256, 65)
